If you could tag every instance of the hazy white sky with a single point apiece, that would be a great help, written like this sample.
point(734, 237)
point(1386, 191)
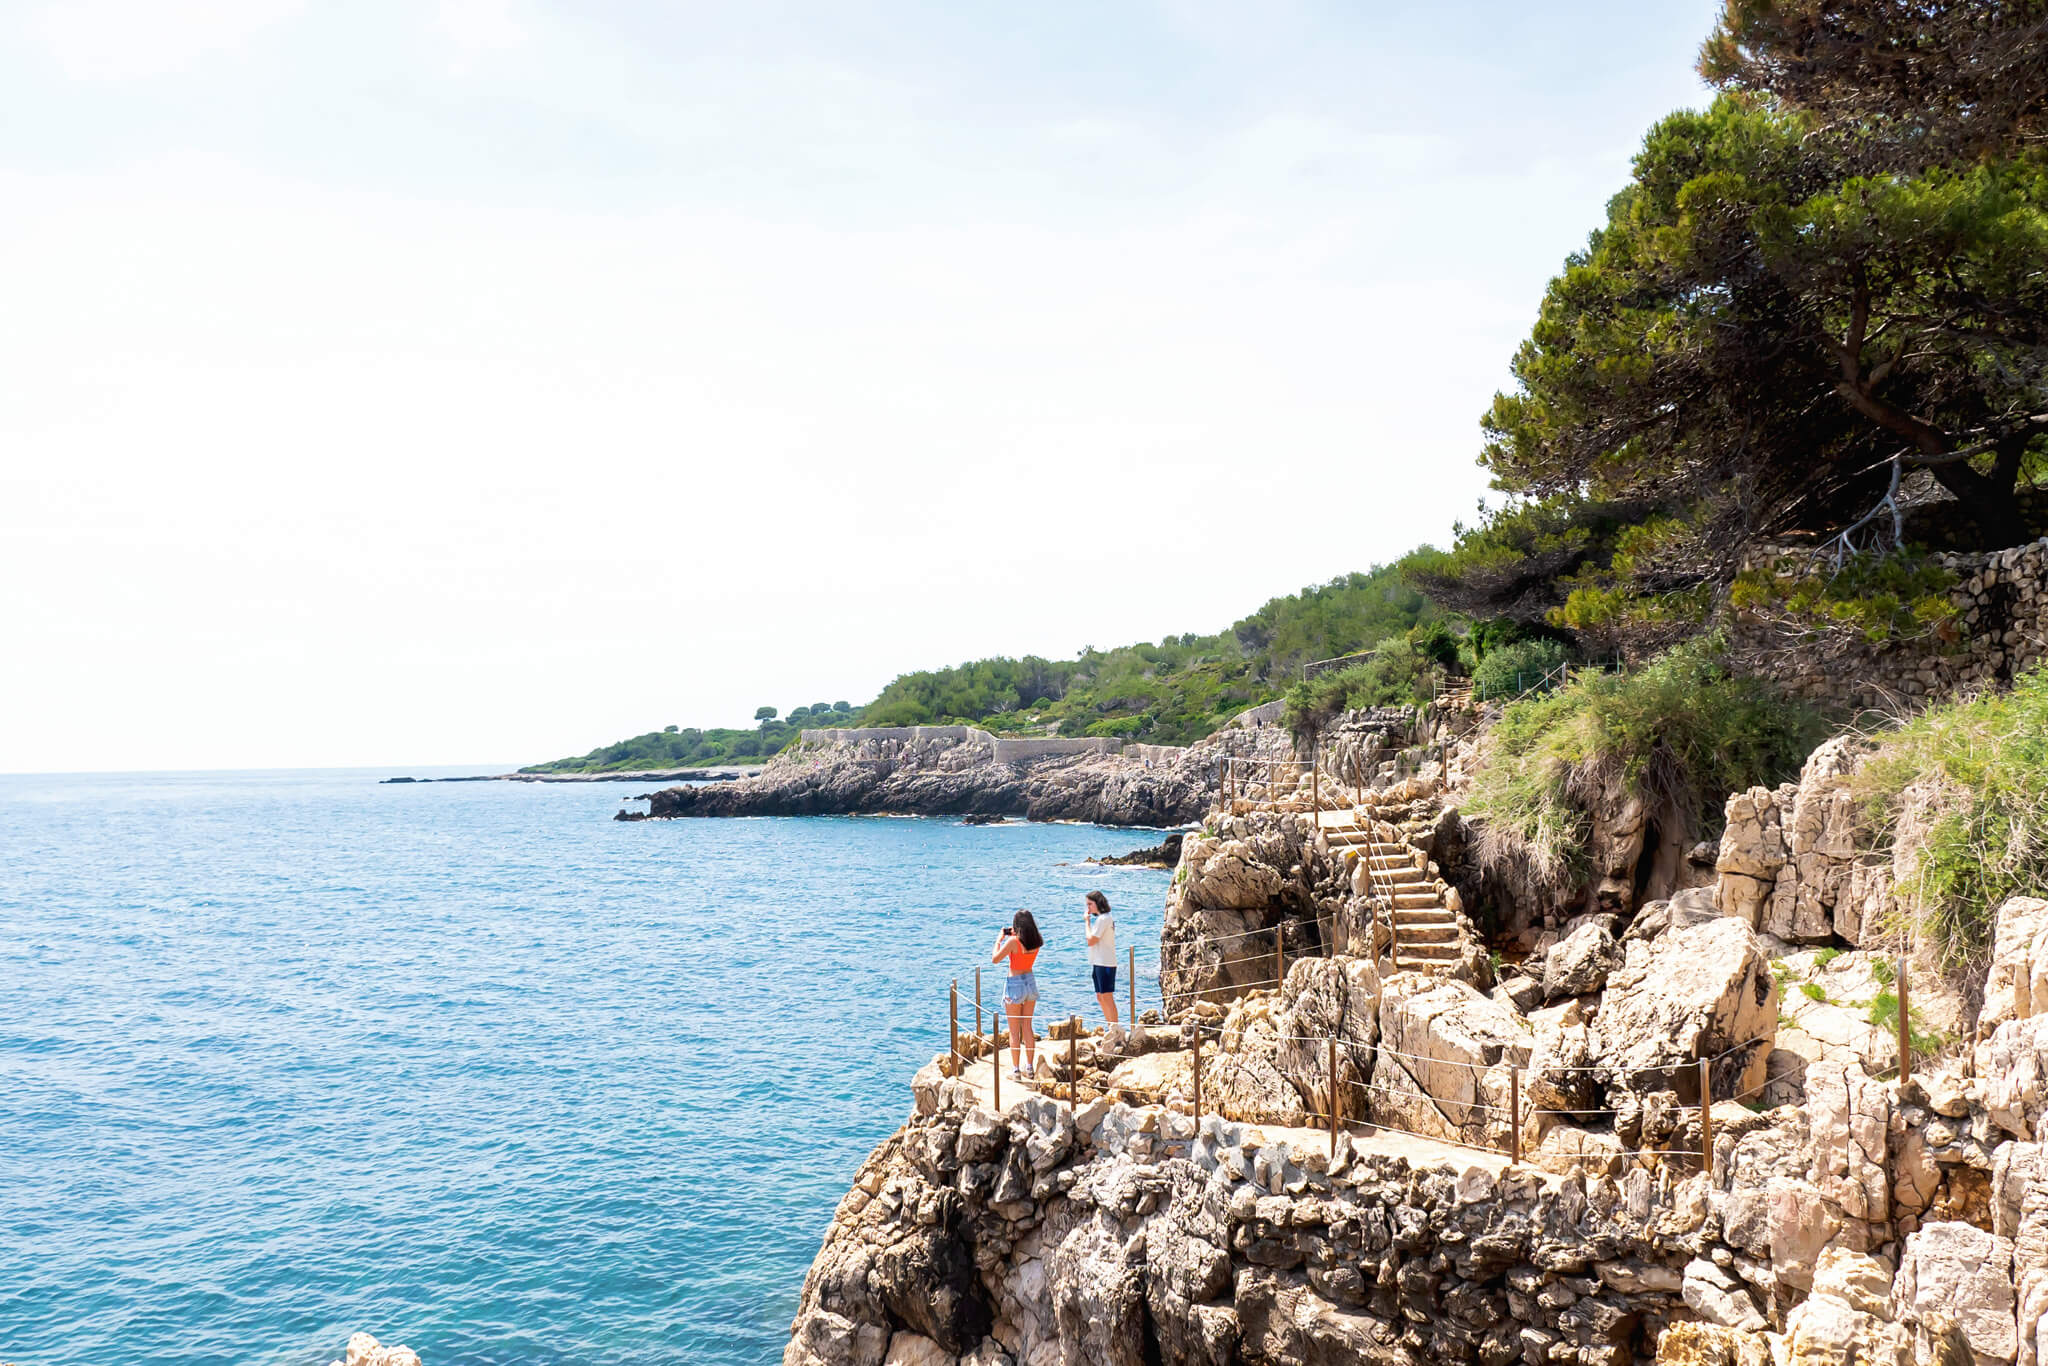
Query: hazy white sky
point(392, 382)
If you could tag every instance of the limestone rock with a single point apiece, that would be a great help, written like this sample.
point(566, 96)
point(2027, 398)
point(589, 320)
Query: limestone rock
point(1706, 1344)
point(1954, 1272)
point(1580, 962)
point(1247, 1083)
point(909, 1349)
point(1328, 998)
point(1444, 1041)
point(1692, 993)
point(2017, 986)
point(365, 1350)
point(1719, 1298)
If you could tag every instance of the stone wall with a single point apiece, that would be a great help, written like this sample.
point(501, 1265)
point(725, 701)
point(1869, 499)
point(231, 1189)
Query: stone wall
point(1021, 751)
point(841, 735)
point(2003, 600)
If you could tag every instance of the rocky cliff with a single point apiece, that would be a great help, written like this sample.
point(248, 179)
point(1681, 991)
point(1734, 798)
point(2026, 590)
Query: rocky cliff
point(1174, 1194)
point(957, 771)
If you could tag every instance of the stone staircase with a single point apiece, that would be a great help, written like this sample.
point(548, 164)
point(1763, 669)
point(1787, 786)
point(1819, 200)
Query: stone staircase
point(1426, 932)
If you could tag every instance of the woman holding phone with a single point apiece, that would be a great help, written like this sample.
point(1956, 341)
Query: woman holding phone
point(1020, 943)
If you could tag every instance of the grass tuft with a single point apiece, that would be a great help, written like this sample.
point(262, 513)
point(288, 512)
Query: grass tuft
point(1975, 775)
point(1680, 734)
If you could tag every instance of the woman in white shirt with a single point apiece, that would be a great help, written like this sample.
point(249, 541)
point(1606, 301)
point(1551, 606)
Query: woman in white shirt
point(1102, 953)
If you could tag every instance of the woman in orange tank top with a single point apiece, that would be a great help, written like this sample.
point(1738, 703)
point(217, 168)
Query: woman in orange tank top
point(1020, 944)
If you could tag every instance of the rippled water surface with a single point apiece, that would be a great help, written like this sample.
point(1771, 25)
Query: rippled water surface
point(471, 1066)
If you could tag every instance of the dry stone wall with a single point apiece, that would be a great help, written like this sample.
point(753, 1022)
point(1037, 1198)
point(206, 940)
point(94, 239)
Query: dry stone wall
point(2003, 602)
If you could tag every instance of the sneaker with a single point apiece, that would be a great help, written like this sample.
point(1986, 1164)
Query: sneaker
point(1016, 1074)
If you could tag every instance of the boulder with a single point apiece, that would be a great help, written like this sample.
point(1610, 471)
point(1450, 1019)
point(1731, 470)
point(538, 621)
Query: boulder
point(1578, 964)
point(1954, 1272)
point(1705, 991)
point(1153, 1076)
point(1226, 875)
point(1442, 1041)
point(1096, 1282)
point(1692, 906)
point(1246, 1081)
point(364, 1350)
point(1560, 1076)
point(1719, 1298)
point(2017, 986)
point(1752, 851)
point(1327, 998)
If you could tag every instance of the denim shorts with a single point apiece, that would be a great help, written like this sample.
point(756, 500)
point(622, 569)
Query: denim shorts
point(1021, 987)
point(1105, 980)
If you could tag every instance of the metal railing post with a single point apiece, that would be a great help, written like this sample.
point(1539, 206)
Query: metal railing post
point(1198, 1077)
point(1131, 984)
point(1280, 955)
point(1514, 1116)
point(1905, 1025)
point(1706, 1121)
point(1074, 1061)
point(1336, 1105)
point(953, 1029)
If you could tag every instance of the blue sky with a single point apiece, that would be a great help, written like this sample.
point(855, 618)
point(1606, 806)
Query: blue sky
point(482, 381)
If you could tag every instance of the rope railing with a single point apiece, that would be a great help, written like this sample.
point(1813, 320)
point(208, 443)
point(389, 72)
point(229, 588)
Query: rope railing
point(1103, 1055)
point(1662, 1075)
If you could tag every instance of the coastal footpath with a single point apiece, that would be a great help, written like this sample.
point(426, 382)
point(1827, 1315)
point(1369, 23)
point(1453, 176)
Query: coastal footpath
point(1664, 1127)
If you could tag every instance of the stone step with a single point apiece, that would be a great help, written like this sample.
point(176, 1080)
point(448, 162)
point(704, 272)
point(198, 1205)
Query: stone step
point(1413, 936)
point(1424, 918)
point(1427, 953)
point(1419, 898)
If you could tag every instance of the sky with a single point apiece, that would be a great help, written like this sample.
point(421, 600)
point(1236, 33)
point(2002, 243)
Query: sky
point(404, 383)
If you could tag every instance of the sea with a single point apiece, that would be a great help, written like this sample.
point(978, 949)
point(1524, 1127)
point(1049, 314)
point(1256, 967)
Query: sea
point(470, 1066)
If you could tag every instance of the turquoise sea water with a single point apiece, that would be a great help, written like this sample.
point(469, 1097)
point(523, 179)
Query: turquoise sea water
point(470, 1066)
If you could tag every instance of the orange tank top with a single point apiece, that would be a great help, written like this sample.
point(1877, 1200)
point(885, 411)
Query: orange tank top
point(1021, 959)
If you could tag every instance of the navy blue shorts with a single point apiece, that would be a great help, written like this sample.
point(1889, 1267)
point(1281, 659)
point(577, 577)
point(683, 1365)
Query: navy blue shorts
point(1105, 980)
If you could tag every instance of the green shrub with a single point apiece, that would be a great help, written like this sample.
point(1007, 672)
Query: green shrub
point(1979, 769)
point(1397, 675)
point(1508, 670)
point(1900, 596)
point(1681, 733)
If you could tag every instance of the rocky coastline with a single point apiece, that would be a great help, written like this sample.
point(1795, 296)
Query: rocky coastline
point(1526, 1170)
point(958, 771)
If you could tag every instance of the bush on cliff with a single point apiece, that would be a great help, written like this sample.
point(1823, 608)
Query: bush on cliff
point(1976, 774)
point(1401, 672)
point(1514, 669)
point(1680, 734)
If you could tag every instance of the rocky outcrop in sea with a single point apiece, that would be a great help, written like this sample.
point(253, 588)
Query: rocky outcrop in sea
point(960, 771)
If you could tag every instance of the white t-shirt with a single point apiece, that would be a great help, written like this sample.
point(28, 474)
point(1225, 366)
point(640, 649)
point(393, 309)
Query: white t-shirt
point(1102, 953)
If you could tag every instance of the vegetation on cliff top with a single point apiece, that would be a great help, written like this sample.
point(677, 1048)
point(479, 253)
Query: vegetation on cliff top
point(1679, 734)
point(1975, 773)
point(1173, 692)
point(689, 747)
